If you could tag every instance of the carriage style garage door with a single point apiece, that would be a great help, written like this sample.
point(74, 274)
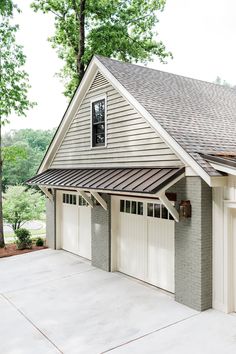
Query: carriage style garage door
point(76, 225)
point(145, 241)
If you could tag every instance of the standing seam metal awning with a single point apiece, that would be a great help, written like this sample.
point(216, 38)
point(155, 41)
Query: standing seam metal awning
point(141, 180)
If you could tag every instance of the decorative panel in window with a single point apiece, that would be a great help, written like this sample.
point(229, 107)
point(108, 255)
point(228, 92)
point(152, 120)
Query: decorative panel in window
point(131, 207)
point(69, 199)
point(98, 123)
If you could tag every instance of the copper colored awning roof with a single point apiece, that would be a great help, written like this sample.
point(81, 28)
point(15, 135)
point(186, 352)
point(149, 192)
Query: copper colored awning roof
point(141, 180)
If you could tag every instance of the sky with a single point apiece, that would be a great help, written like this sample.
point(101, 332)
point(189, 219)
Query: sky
point(199, 33)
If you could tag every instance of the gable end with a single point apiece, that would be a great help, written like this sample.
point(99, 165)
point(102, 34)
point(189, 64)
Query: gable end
point(131, 141)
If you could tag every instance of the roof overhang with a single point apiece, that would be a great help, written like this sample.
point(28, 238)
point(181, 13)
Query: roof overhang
point(144, 182)
point(139, 181)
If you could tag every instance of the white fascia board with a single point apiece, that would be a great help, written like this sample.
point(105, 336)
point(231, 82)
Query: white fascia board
point(223, 168)
point(69, 115)
point(108, 191)
point(168, 139)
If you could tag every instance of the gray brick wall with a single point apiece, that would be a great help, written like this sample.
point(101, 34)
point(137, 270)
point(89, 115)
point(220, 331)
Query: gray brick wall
point(193, 246)
point(50, 222)
point(101, 235)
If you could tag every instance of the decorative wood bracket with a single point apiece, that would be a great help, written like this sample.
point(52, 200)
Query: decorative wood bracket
point(86, 197)
point(167, 203)
point(100, 200)
point(47, 193)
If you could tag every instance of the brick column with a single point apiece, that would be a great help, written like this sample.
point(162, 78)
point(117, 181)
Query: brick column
point(101, 235)
point(193, 246)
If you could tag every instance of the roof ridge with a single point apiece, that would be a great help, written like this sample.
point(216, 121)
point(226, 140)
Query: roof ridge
point(167, 72)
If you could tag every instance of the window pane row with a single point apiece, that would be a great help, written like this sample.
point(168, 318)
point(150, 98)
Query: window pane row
point(131, 207)
point(158, 211)
point(153, 209)
point(69, 199)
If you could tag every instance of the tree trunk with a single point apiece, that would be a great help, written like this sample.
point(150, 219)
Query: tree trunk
point(81, 20)
point(2, 242)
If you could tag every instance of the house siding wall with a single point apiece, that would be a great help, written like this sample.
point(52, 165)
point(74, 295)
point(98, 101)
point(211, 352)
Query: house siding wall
point(131, 141)
point(101, 234)
point(193, 246)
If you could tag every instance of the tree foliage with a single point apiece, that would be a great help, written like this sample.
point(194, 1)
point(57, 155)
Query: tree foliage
point(23, 150)
point(21, 205)
point(122, 29)
point(6, 7)
point(14, 81)
point(223, 82)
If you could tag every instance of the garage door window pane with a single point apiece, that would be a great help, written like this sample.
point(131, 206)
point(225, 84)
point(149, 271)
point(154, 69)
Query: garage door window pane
point(69, 199)
point(157, 210)
point(140, 208)
point(164, 212)
point(127, 206)
point(149, 209)
point(133, 208)
point(122, 206)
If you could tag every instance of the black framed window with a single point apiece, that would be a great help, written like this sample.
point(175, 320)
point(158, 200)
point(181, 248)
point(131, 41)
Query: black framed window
point(98, 123)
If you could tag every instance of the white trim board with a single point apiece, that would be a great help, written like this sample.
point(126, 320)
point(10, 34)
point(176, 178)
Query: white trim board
point(223, 168)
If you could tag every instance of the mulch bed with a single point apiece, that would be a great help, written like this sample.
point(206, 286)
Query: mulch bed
point(11, 250)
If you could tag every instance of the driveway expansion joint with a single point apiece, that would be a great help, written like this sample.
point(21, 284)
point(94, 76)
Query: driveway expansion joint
point(150, 333)
point(32, 323)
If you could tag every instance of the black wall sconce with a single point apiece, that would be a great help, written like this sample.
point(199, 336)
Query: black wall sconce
point(185, 209)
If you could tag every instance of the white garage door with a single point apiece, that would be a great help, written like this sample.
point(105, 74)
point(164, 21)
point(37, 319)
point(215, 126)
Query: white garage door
point(145, 242)
point(76, 225)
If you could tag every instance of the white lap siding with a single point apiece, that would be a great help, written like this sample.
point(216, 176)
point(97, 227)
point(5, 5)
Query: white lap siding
point(130, 139)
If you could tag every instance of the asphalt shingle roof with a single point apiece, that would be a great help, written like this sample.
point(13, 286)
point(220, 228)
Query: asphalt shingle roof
point(199, 115)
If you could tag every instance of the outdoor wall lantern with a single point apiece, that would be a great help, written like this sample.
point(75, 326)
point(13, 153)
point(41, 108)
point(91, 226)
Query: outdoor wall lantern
point(185, 209)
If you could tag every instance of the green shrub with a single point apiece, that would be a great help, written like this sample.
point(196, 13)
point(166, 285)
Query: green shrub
point(39, 242)
point(23, 239)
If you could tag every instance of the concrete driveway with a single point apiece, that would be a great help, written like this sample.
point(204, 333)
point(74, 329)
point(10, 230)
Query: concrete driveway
point(55, 302)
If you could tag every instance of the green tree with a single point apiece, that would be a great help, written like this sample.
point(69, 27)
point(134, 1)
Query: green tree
point(29, 146)
point(21, 205)
point(122, 29)
point(14, 83)
point(223, 82)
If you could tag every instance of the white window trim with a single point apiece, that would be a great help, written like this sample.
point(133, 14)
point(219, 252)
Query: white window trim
point(95, 99)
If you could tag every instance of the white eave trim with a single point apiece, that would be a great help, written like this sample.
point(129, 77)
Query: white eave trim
point(223, 168)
